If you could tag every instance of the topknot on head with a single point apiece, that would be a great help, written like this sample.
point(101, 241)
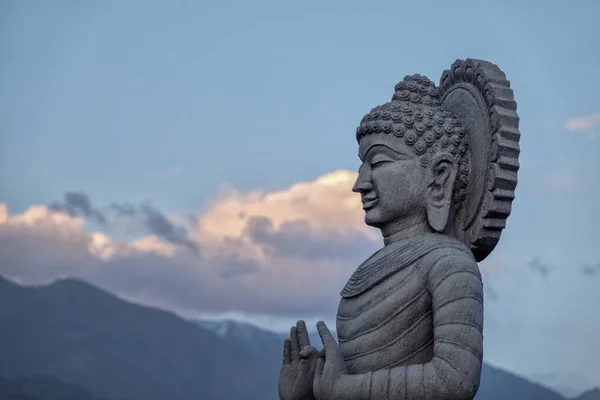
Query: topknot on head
point(417, 89)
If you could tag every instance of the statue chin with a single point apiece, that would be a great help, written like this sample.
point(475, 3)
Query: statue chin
point(379, 218)
point(374, 218)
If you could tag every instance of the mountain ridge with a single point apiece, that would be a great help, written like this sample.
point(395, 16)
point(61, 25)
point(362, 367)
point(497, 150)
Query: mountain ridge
point(490, 381)
point(113, 348)
point(117, 349)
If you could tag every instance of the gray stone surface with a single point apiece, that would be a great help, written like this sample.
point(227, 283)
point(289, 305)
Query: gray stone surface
point(438, 173)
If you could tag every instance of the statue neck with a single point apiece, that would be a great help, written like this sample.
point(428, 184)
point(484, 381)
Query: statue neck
point(406, 228)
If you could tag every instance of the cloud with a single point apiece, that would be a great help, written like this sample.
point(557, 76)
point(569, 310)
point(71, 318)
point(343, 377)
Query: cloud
point(157, 223)
point(287, 252)
point(491, 293)
point(326, 203)
point(149, 218)
point(588, 124)
point(296, 239)
point(591, 270)
point(536, 265)
point(77, 203)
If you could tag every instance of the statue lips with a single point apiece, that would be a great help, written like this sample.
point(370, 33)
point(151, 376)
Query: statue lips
point(369, 203)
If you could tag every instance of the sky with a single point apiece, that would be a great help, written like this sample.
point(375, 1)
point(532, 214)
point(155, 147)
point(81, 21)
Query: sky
point(198, 156)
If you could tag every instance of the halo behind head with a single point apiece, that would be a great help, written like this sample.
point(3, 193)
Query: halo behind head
point(479, 94)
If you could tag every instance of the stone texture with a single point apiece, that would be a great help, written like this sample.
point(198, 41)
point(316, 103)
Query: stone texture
point(438, 173)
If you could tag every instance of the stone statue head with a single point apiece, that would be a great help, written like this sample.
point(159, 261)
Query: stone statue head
point(415, 161)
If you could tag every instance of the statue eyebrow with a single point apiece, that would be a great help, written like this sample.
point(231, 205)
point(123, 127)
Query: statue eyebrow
point(385, 149)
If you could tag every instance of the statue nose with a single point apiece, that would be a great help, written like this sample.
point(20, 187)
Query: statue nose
point(362, 185)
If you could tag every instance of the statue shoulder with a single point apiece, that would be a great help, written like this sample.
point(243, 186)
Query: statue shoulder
point(445, 262)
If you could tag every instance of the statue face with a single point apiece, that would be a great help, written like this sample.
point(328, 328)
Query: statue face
point(391, 180)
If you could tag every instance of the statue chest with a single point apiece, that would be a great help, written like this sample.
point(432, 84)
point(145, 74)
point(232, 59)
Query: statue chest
point(388, 324)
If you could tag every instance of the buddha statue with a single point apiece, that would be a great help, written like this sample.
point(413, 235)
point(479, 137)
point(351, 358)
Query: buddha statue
point(437, 177)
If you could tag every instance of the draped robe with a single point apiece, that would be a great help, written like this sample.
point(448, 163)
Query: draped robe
point(410, 321)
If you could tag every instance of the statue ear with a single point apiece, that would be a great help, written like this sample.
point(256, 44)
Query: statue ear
point(440, 185)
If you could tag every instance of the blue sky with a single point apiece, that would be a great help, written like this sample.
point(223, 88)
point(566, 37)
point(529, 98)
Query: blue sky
point(167, 102)
point(98, 96)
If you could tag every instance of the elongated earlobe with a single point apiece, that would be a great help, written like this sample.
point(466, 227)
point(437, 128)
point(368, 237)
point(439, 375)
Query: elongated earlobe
point(438, 197)
point(438, 217)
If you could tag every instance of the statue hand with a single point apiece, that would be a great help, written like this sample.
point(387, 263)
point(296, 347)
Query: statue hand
point(298, 369)
point(331, 370)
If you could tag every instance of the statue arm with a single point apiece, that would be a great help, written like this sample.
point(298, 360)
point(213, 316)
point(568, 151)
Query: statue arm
point(454, 283)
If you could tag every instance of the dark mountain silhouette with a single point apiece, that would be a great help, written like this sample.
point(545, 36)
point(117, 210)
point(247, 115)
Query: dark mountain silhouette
point(41, 388)
point(499, 384)
point(496, 383)
point(113, 349)
point(593, 394)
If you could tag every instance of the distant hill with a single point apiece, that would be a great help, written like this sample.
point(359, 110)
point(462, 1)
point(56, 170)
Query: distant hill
point(496, 384)
point(84, 336)
point(115, 349)
point(593, 394)
point(41, 388)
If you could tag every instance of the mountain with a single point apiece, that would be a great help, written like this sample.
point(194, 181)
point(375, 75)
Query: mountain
point(499, 384)
point(593, 394)
point(41, 388)
point(113, 349)
point(255, 339)
point(496, 384)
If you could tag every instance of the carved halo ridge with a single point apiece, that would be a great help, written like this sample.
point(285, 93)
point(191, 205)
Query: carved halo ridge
point(483, 229)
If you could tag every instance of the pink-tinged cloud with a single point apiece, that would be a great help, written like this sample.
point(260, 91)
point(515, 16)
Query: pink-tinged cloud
point(326, 203)
point(285, 252)
point(588, 124)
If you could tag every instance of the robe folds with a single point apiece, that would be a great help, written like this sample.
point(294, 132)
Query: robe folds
point(410, 321)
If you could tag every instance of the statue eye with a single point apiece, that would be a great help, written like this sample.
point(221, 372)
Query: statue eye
point(380, 160)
